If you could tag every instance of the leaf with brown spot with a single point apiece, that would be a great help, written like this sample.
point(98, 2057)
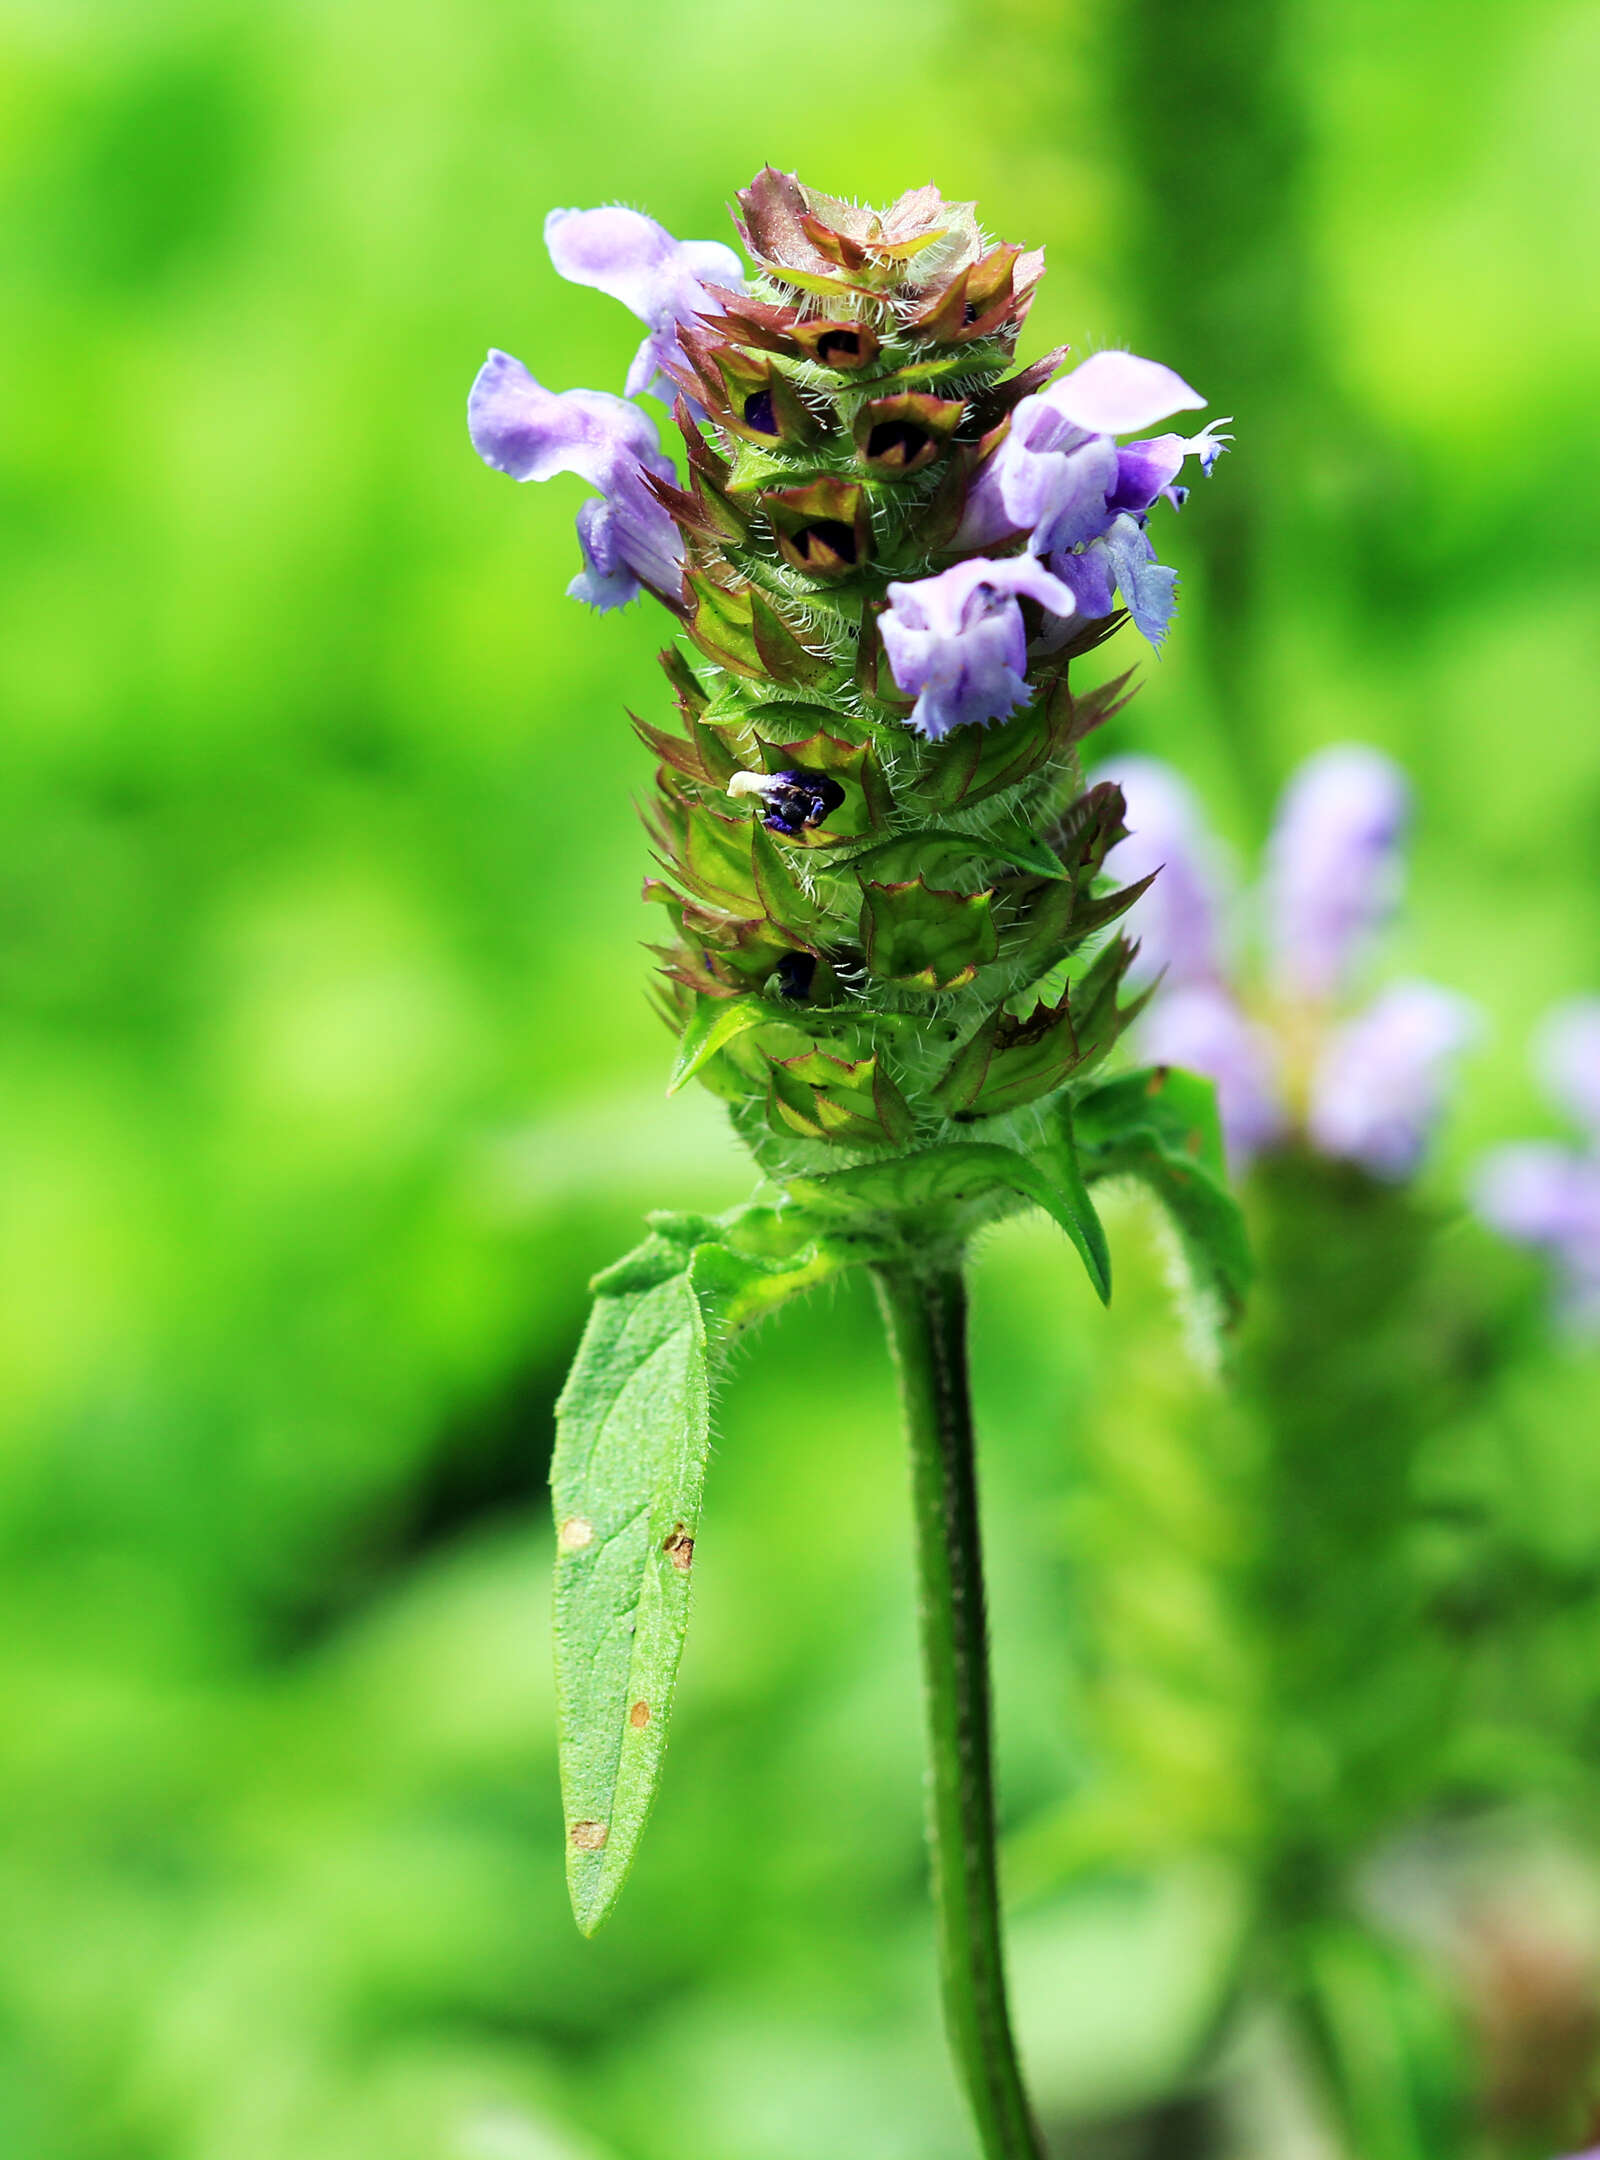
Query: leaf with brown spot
point(632, 1436)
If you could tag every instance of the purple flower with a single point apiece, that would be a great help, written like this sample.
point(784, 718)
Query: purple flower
point(661, 280)
point(1060, 477)
point(1200, 1026)
point(1176, 921)
point(1568, 1057)
point(1334, 869)
point(531, 433)
point(958, 642)
point(1542, 1194)
point(1378, 1083)
point(1381, 1082)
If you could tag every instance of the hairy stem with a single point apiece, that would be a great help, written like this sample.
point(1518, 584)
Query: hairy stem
point(925, 1308)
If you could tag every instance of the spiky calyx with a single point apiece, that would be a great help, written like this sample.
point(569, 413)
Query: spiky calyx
point(877, 938)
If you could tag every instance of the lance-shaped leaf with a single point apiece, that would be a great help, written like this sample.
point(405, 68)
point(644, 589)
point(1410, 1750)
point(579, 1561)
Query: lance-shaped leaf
point(632, 1434)
point(1160, 1126)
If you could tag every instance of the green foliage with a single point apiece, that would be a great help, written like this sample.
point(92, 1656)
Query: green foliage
point(1160, 1128)
point(632, 1434)
point(328, 1077)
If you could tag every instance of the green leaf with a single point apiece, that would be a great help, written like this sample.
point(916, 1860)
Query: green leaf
point(715, 1024)
point(932, 854)
point(632, 1435)
point(1387, 2044)
point(950, 1190)
point(1160, 1126)
point(927, 939)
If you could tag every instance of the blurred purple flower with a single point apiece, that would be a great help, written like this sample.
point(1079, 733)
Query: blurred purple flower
point(958, 642)
point(1568, 1059)
point(1200, 1026)
point(1334, 868)
point(661, 280)
point(1381, 1082)
point(1177, 920)
point(1060, 477)
point(530, 433)
point(1542, 1194)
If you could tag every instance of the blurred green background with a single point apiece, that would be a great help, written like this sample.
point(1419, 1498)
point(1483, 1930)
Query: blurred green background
point(327, 1074)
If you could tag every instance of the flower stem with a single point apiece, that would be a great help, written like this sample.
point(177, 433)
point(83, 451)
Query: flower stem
point(925, 1309)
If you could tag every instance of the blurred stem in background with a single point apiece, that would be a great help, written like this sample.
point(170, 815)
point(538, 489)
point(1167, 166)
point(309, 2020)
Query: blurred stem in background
point(1213, 160)
point(925, 1310)
point(1346, 1369)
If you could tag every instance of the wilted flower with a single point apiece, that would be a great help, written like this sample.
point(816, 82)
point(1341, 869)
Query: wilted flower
point(661, 280)
point(1546, 1195)
point(531, 433)
point(957, 641)
point(1369, 1088)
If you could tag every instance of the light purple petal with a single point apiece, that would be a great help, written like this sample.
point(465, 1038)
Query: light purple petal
point(1547, 1197)
point(712, 263)
point(1145, 469)
point(1568, 1056)
point(628, 537)
point(1148, 588)
point(1053, 478)
point(1334, 868)
point(1148, 468)
point(661, 280)
point(1540, 1193)
point(647, 370)
point(985, 518)
point(619, 252)
point(606, 580)
point(1116, 393)
point(1383, 1079)
point(1178, 921)
point(957, 642)
point(531, 433)
point(1092, 577)
point(1200, 1027)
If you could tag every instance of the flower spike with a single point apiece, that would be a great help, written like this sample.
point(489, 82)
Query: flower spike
point(885, 548)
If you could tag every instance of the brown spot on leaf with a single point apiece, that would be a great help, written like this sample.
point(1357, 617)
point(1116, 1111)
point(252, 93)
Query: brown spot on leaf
point(574, 1534)
point(679, 1549)
point(588, 1836)
point(639, 1716)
